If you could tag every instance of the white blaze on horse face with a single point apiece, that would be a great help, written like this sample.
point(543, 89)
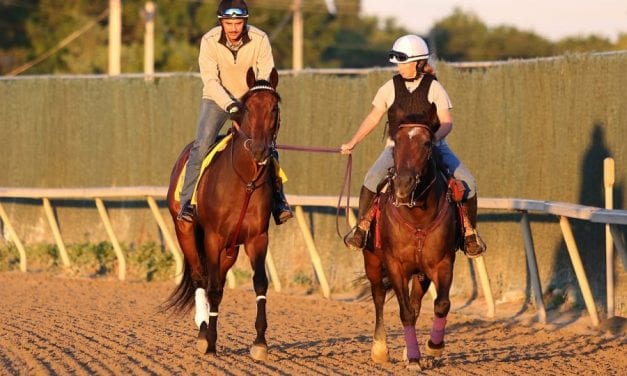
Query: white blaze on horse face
point(412, 132)
point(202, 307)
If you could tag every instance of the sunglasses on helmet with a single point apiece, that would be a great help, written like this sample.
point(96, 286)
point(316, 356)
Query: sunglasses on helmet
point(234, 12)
point(399, 56)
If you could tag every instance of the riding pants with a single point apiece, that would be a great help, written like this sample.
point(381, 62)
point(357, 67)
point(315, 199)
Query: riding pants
point(210, 120)
point(380, 168)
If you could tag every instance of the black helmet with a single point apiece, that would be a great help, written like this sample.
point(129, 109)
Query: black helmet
point(232, 9)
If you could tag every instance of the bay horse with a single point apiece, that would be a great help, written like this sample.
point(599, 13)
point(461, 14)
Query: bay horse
point(234, 197)
point(415, 240)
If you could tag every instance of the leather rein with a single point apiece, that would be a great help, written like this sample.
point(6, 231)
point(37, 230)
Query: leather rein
point(251, 185)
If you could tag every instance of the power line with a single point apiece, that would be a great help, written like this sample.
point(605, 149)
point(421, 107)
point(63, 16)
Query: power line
point(67, 40)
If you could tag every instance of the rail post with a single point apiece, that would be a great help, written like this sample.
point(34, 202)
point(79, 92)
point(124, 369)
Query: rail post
point(608, 183)
point(532, 264)
point(14, 238)
point(580, 272)
point(56, 232)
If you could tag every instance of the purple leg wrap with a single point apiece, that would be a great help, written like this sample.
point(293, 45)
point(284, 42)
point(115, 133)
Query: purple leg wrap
point(413, 352)
point(437, 330)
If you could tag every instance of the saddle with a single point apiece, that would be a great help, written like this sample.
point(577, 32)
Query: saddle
point(456, 191)
point(221, 142)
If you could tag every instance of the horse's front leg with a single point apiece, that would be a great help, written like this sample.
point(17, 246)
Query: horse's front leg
point(400, 283)
point(441, 307)
point(256, 249)
point(374, 272)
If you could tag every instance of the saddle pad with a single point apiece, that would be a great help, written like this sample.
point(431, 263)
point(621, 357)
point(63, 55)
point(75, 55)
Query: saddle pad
point(218, 147)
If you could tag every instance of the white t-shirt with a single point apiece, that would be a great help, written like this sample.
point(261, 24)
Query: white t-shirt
point(385, 96)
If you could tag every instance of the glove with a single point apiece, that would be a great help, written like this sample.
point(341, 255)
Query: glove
point(235, 111)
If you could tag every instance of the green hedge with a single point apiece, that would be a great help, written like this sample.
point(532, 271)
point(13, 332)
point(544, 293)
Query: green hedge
point(535, 129)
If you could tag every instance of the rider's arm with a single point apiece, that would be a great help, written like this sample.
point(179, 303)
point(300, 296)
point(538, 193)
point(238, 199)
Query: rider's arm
point(446, 123)
point(438, 95)
point(367, 125)
point(210, 73)
point(265, 61)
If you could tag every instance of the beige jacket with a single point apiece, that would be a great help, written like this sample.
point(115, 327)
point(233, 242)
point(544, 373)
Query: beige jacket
point(223, 72)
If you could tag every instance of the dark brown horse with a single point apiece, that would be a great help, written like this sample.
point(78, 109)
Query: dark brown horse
point(233, 208)
point(415, 240)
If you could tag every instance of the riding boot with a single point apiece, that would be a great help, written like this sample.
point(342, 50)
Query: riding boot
point(281, 210)
point(474, 246)
point(356, 239)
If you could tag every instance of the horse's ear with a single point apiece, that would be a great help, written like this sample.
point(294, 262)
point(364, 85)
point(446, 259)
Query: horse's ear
point(250, 77)
point(274, 78)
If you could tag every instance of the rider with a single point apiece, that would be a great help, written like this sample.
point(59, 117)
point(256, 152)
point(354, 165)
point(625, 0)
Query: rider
point(226, 53)
point(413, 91)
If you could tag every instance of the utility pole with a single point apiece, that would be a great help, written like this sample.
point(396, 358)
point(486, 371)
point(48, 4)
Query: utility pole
point(115, 36)
point(149, 40)
point(297, 35)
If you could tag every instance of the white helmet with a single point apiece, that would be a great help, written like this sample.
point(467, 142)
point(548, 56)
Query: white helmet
point(408, 48)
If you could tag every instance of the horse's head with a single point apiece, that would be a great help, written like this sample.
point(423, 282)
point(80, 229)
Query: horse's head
point(413, 145)
point(260, 121)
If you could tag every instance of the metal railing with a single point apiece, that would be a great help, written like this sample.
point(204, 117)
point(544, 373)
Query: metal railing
point(565, 211)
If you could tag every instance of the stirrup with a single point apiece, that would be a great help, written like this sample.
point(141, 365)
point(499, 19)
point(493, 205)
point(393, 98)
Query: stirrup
point(477, 245)
point(186, 213)
point(356, 239)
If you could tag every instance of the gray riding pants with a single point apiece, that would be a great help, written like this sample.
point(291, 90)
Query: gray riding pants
point(380, 168)
point(210, 120)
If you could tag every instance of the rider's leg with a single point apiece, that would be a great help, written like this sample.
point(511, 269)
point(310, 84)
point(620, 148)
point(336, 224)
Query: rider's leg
point(281, 210)
point(356, 239)
point(473, 244)
point(210, 121)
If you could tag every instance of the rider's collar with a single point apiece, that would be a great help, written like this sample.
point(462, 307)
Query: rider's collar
point(244, 39)
point(418, 76)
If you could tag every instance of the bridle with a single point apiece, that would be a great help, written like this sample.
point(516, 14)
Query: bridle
point(417, 178)
point(247, 140)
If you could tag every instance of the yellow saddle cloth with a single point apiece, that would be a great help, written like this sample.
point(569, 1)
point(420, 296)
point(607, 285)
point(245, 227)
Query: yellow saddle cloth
point(218, 147)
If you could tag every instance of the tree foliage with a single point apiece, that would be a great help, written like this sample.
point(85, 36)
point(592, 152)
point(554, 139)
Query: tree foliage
point(32, 28)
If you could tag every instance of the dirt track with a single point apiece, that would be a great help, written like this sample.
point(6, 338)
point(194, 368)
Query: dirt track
point(57, 325)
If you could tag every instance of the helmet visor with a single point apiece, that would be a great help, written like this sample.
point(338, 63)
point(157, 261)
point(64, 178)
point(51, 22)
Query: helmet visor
point(234, 13)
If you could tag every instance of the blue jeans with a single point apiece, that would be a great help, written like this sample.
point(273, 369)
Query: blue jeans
point(380, 168)
point(210, 120)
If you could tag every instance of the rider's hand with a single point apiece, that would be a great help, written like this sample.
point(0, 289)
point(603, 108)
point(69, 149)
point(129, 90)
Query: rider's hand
point(346, 148)
point(235, 111)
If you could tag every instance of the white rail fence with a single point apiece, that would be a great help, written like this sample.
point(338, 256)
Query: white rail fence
point(565, 211)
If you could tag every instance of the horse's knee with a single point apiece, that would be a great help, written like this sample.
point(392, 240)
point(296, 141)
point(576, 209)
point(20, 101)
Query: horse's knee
point(441, 307)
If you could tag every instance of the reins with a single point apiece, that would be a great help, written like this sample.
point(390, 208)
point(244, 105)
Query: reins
point(346, 181)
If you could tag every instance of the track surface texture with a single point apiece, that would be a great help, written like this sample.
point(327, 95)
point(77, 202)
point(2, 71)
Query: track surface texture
point(54, 325)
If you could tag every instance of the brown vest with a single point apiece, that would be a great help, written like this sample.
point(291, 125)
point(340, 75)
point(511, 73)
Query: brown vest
point(412, 107)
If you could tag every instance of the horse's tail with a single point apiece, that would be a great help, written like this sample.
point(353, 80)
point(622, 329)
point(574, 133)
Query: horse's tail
point(181, 300)
point(363, 285)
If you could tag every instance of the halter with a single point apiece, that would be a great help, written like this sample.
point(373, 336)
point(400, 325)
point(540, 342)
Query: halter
point(414, 197)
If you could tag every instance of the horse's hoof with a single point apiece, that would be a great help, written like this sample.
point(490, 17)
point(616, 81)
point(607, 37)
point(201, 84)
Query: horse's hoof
point(433, 349)
point(202, 345)
point(414, 365)
point(259, 352)
point(379, 352)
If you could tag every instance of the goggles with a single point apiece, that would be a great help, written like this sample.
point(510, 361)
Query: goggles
point(399, 56)
point(234, 13)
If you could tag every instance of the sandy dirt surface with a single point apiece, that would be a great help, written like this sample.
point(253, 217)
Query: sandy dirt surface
point(58, 325)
